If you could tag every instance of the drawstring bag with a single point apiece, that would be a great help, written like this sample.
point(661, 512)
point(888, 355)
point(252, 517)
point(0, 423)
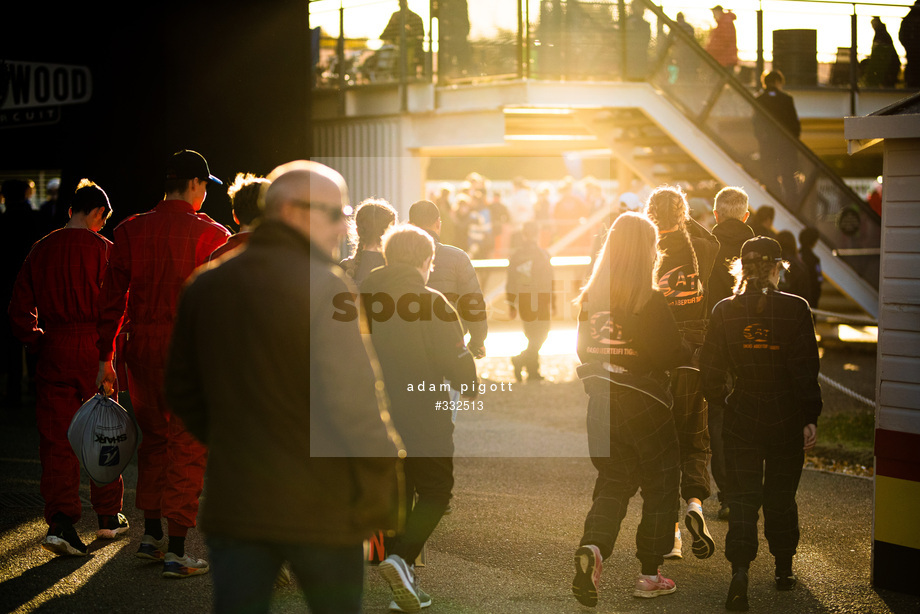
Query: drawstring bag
point(104, 436)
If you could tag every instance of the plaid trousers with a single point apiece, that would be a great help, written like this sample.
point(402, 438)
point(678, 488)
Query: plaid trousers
point(758, 475)
point(633, 444)
point(691, 420)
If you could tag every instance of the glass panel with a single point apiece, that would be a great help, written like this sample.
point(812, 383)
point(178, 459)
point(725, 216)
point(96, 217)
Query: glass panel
point(584, 40)
point(731, 121)
point(685, 77)
point(572, 40)
point(370, 50)
point(841, 221)
point(476, 45)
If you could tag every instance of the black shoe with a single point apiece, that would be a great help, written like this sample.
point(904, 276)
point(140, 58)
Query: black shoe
point(724, 511)
point(62, 539)
point(518, 363)
point(785, 580)
point(737, 600)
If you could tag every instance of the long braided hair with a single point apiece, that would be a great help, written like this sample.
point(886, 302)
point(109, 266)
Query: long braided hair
point(372, 218)
point(667, 207)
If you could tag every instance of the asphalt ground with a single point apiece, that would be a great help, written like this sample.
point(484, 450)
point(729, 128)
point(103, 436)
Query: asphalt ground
point(523, 485)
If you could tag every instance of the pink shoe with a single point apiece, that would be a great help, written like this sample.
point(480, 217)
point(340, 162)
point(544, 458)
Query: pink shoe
point(653, 586)
point(588, 565)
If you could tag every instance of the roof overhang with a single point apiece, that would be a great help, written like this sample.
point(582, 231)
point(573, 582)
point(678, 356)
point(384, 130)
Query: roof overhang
point(864, 132)
point(900, 120)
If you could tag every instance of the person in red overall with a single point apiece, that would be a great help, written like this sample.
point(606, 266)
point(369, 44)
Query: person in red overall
point(66, 300)
point(153, 255)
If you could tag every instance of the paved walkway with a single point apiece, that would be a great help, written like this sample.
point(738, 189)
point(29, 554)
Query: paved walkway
point(507, 547)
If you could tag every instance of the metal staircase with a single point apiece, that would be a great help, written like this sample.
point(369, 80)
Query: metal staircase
point(700, 125)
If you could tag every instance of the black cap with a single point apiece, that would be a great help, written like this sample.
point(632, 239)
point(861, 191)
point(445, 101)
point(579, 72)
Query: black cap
point(188, 164)
point(761, 248)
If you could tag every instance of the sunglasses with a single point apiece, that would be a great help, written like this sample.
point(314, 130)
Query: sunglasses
point(335, 213)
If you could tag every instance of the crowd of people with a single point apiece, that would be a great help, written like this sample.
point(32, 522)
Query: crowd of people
point(487, 221)
point(694, 360)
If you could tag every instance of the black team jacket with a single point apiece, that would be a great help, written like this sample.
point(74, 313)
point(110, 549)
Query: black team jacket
point(766, 342)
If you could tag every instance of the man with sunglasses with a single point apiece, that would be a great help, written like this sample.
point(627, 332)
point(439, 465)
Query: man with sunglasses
point(153, 255)
point(302, 464)
point(66, 298)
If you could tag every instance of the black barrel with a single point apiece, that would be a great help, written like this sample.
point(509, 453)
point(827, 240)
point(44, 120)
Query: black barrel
point(795, 54)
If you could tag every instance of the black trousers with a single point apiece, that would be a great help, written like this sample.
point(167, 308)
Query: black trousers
point(536, 332)
point(633, 444)
point(761, 475)
point(429, 482)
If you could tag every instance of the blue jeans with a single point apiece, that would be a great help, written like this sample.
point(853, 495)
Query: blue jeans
point(243, 572)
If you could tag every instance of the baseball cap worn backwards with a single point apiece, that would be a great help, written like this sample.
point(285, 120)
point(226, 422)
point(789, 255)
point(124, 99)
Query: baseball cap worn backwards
point(188, 164)
point(761, 248)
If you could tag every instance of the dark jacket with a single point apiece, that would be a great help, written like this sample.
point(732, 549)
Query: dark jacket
point(358, 266)
point(454, 277)
point(731, 234)
point(284, 395)
point(767, 344)
point(794, 280)
point(814, 275)
point(420, 344)
point(781, 106)
point(530, 282)
point(641, 346)
point(682, 281)
point(20, 228)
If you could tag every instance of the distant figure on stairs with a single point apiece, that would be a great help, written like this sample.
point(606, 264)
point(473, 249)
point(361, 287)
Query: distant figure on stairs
point(723, 45)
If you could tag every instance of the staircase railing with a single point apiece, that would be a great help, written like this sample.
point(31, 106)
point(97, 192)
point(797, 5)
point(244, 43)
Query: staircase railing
point(725, 110)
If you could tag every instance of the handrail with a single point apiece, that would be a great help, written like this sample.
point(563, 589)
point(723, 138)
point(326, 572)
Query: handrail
point(729, 79)
point(725, 79)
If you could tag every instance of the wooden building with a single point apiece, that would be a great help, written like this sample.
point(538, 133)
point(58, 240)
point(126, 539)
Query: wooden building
point(896, 534)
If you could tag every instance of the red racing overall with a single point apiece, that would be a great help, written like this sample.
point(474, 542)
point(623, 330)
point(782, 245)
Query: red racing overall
point(153, 255)
point(59, 282)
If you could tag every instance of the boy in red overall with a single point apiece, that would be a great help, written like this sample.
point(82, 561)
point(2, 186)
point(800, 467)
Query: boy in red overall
point(59, 282)
point(154, 253)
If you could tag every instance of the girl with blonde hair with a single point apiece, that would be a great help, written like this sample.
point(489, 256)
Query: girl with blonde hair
point(627, 339)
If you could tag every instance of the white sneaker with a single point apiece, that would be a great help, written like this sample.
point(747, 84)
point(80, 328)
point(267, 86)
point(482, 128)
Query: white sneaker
point(676, 552)
point(402, 581)
point(702, 546)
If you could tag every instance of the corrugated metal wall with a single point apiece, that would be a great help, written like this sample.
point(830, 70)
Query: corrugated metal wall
point(366, 152)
